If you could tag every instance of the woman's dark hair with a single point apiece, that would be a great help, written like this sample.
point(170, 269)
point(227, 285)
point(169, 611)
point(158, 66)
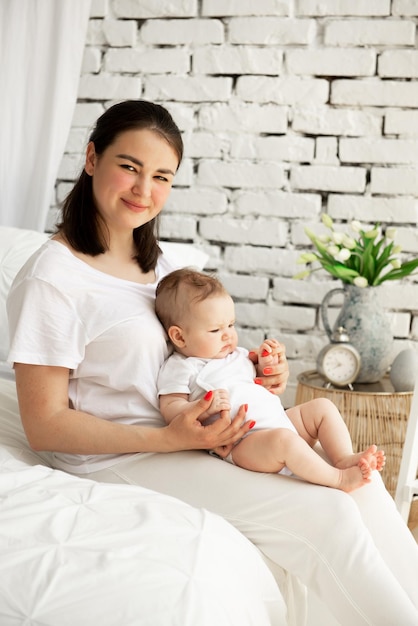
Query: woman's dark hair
point(81, 223)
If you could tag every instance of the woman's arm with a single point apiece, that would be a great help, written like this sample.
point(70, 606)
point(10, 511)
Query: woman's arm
point(50, 424)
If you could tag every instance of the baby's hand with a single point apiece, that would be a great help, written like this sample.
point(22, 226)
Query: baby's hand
point(220, 402)
point(268, 353)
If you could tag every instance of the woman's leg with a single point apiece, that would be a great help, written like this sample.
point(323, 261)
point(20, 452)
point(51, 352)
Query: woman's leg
point(315, 533)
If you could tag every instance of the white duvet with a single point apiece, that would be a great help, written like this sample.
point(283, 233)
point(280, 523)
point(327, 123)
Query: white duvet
point(78, 553)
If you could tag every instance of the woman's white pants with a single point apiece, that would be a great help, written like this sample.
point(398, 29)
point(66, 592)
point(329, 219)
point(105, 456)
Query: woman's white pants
point(354, 551)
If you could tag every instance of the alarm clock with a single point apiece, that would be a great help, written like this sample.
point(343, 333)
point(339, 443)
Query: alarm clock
point(339, 362)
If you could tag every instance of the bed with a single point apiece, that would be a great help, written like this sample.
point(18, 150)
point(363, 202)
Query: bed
point(73, 551)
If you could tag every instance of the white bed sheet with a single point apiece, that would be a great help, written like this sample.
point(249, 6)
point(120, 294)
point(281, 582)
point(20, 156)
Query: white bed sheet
point(77, 552)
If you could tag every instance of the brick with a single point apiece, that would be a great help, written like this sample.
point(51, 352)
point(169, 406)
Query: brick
point(70, 166)
point(237, 60)
point(120, 32)
point(374, 150)
point(286, 148)
point(326, 151)
point(109, 87)
point(283, 317)
point(328, 8)
point(377, 209)
point(77, 140)
point(92, 59)
point(369, 33)
point(95, 35)
point(323, 120)
point(256, 260)
point(331, 62)
point(290, 90)
point(394, 180)
point(204, 144)
point(245, 287)
point(183, 114)
point(99, 8)
point(401, 123)
point(175, 32)
point(258, 232)
point(151, 61)
point(86, 113)
point(223, 8)
point(400, 294)
point(155, 8)
point(401, 323)
point(278, 203)
point(188, 88)
point(271, 31)
point(177, 227)
point(237, 117)
point(198, 201)
point(408, 239)
point(374, 93)
point(328, 178)
point(300, 291)
point(405, 8)
point(398, 64)
point(184, 175)
point(240, 174)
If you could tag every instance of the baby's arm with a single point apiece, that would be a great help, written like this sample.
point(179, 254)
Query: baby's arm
point(268, 353)
point(174, 403)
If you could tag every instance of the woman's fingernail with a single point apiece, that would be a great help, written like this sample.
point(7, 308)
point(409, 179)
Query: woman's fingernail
point(265, 353)
point(257, 381)
point(267, 371)
point(245, 407)
point(208, 395)
point(252, 424)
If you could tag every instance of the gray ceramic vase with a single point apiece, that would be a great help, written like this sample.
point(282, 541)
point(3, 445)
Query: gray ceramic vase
point(368, 326)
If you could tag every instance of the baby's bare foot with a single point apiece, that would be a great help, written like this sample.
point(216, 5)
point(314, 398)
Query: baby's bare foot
point(374, 457)
point(354, 477)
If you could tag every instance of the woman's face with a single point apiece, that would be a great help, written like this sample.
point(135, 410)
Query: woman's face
point(132, 178)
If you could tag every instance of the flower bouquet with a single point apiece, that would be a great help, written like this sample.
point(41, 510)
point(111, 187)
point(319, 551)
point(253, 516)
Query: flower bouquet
point(366, 259)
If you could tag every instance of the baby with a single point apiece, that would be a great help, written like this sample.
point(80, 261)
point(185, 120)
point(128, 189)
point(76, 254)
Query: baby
point(199, 317)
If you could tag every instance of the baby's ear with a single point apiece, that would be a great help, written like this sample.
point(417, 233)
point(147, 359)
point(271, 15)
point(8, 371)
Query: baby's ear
point(176, 336)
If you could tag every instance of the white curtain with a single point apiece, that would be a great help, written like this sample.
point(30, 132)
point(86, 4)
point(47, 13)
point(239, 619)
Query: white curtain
point(41, 51)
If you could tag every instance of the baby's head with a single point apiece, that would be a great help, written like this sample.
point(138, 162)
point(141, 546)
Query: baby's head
point(197, 313)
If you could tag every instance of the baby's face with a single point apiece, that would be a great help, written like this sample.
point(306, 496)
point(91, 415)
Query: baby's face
point(209, 330)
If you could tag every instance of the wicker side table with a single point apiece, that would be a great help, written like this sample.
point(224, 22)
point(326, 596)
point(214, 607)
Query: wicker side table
point(374, 413)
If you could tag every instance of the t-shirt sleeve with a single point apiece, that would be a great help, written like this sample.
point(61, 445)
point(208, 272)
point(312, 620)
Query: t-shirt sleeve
point(174, 377)
point(44, 327)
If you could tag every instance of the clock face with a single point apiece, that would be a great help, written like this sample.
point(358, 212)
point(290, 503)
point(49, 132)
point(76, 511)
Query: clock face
point(340, 364)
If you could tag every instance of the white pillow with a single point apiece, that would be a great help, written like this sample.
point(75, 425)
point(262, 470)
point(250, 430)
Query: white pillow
point(17, 245)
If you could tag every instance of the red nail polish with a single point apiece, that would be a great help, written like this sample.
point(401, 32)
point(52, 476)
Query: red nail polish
point(246, 407)
point(265, 353)
point(252, 424)
point(208, 395)
point(267, 371)
point(257, 381)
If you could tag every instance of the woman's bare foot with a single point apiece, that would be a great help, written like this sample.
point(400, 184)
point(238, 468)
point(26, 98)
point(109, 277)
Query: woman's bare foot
point(354, 477)
point(375, 458)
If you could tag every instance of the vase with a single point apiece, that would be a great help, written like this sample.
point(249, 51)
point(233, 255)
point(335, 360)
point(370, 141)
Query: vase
point(368, 326)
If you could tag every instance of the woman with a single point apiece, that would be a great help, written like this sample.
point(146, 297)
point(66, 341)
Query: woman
point(87, 347)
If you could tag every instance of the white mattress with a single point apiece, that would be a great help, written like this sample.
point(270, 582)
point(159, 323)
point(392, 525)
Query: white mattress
point(75, 552)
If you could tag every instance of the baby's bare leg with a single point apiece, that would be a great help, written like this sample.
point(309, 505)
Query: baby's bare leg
point(320, 420)
point(271, 450)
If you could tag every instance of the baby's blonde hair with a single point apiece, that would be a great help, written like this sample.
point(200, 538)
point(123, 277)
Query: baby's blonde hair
point(178, 290)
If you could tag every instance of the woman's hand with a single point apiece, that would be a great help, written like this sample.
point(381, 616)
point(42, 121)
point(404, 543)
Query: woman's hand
point(274, 377)
point(186, 432)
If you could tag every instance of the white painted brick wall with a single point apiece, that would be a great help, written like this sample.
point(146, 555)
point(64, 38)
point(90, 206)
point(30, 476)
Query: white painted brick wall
point(288, 108)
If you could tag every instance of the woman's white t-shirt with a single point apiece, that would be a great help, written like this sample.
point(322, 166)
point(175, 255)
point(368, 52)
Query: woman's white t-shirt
point(62, 312)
